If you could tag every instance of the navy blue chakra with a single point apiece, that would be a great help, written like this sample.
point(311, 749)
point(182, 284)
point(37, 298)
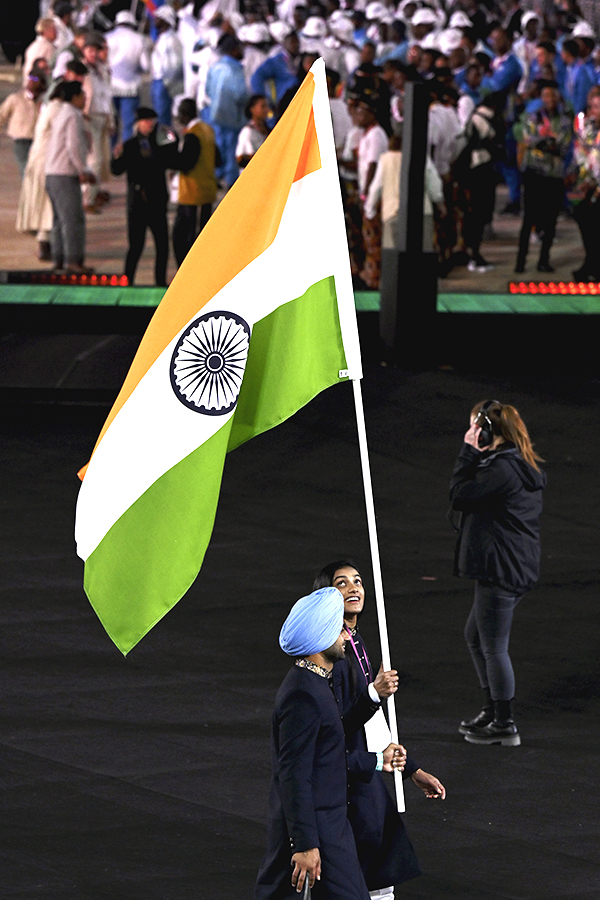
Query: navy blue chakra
point(207, 366)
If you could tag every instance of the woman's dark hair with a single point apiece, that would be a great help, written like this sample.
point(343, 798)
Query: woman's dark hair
point(66, 90)
point(572, 47)
point(547, 46)
point(228, 44)
point(325, 576)
point(508, 424)
point(253, 99)
point(187, 109)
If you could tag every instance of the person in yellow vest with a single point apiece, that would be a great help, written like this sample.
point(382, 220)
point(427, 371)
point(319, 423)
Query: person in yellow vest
point(197, 186)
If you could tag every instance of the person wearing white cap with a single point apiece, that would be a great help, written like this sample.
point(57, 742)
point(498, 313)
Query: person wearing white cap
point(167, 64)
point(309, 835)
point(459, 19)
point(341, 53)
point(312, 37)
point(423, 23)
point(406, 10)
point(525, 47)
point(583, 33)
point(128, 59)
point(256, 38)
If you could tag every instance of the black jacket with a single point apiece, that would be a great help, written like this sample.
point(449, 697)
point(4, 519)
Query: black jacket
point(146, 161)
point(500, 498)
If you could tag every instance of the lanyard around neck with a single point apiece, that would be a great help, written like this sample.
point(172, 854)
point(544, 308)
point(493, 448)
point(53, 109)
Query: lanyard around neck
point(366, 672)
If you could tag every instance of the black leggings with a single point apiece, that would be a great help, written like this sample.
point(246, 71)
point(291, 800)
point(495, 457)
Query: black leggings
point(487, 633)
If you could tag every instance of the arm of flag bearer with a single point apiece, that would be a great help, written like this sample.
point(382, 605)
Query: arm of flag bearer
point(235, 347)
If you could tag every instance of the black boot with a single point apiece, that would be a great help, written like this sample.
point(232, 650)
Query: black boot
point(482, 718)
point(501, 730)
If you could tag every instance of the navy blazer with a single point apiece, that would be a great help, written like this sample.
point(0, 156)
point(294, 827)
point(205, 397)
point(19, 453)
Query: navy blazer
point(308, 797)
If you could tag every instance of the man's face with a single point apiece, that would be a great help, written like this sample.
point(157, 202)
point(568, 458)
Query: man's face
point(421, 31)
point(90, 55)
point(531, 30)
point(567, 58)
point(594, 109)
point(292, 44)
point(542, 56)
point(337, 651)
point(49, 33)
point(364, 115)
point(367, 54)
point(500, 42)
point(550, 99)
point(146, 126)
point(79, 100)
point(35, 87)
point(474, 77)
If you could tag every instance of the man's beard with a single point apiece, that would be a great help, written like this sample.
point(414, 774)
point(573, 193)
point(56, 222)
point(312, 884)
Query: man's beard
point(335, 653)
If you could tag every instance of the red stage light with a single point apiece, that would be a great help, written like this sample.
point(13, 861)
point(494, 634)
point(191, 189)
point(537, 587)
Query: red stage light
point(583, 289)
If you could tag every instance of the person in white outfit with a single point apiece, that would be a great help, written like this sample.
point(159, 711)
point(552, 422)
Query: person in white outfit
point(385, 190)
point(63, 12)
point(99, 120)
point(43, 47)
point(128, 59)
point(167, 64)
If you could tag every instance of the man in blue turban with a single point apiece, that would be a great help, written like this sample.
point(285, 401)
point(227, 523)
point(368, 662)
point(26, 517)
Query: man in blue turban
point(309, 835)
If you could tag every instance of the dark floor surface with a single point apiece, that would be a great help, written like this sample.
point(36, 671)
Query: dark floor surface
point(146, 777)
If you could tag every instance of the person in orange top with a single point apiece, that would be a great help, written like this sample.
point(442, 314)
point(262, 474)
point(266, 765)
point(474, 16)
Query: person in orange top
point(197, 186)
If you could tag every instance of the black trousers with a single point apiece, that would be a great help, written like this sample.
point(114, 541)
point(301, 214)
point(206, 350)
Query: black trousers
point(142, 215)
point(481, 184)
point(543, 200)
point(587, 216)
point(185, 228)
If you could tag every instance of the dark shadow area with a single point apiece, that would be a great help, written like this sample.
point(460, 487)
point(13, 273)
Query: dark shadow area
point(147, 777)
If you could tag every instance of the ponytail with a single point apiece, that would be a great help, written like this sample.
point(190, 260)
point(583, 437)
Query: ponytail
point(507, 423)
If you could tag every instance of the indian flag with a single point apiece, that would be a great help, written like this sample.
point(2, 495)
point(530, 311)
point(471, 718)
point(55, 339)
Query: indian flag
point(258, 320)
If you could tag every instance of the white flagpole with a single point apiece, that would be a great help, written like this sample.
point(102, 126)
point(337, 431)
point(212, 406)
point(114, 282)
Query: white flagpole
point(376, 563)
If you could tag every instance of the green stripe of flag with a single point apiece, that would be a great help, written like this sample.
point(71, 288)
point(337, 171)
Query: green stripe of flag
point(153, 553)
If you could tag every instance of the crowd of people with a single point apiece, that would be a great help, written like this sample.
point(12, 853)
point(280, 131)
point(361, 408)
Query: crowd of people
point(514, 97)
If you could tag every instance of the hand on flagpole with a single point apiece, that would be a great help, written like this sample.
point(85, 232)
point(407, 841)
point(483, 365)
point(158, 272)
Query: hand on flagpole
point(386, 683)
point(394, 758)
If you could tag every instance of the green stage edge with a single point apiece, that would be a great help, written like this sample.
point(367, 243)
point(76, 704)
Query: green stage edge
point(366, 301)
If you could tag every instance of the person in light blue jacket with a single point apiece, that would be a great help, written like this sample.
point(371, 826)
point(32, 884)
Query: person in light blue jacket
point(226, 89)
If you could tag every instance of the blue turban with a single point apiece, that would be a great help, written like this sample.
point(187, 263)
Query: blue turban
point(314, 623)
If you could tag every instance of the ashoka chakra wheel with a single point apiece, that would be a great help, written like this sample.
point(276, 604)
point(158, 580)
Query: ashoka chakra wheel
point(208, 363)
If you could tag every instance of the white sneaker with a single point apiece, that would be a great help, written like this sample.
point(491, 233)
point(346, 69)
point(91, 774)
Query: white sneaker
point(475, 266)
